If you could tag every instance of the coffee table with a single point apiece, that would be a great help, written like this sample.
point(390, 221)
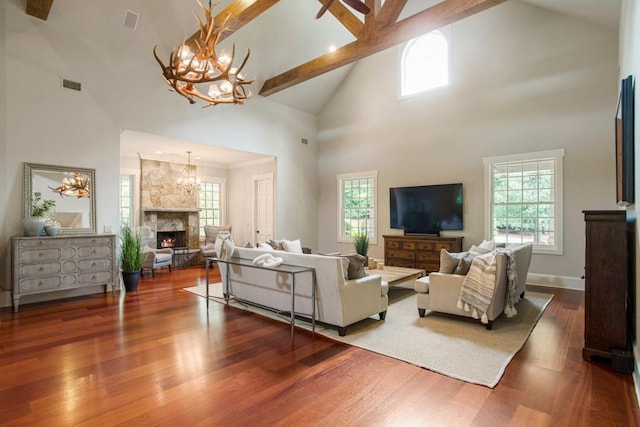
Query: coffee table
point(396, 275)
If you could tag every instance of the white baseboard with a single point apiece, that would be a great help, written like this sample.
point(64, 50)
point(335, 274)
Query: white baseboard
point(565, 282)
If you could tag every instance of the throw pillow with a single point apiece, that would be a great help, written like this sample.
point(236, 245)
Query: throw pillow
point(488, 244)
point(292, 246)
point(356, 266)
point(449, 260)
point(477, 250)
point(265, 245)
point(464, 264)
point(276, 245)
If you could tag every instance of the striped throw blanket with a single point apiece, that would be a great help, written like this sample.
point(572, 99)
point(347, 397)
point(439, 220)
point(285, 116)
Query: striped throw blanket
point(479, 284)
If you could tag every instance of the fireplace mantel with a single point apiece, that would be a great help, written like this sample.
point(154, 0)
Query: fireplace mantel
point(176, 210)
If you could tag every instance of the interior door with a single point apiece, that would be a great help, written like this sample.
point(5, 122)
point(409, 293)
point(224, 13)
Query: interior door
point(263, 203)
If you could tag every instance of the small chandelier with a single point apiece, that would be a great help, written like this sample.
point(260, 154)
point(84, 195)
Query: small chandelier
point(78, 186)
point(187, 70)
point(189, 182)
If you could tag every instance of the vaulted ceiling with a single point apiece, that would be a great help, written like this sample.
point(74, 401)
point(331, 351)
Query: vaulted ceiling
point(290, 55)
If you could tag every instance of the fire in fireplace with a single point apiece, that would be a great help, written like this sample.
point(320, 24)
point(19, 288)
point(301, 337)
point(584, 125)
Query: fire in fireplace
point(171, 239)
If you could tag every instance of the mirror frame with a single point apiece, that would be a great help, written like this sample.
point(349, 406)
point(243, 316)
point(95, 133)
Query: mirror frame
point(31, 168)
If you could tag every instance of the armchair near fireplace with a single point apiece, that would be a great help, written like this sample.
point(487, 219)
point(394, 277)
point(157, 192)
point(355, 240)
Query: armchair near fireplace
point(154, 258)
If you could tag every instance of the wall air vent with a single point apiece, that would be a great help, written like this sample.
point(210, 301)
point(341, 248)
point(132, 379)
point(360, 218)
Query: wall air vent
point(131, 19)
point(70, 84)
point(304, 141)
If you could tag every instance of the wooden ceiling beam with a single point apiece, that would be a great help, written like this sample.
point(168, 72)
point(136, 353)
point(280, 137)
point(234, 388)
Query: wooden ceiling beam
point(444, 13)
point(370, 19)
point(346, 18)
point(240, 13)
point(390, 12)
point(39, 8)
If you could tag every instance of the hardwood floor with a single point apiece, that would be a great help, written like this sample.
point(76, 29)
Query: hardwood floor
point(159, 357)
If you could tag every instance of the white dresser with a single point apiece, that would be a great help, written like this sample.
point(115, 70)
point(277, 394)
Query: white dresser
point(45, 264)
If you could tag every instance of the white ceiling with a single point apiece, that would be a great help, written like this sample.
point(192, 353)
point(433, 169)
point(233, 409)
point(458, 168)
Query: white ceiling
point(281, 38)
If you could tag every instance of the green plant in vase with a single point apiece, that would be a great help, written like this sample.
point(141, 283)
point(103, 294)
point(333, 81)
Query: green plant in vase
point(361, 243)
point(131, 257)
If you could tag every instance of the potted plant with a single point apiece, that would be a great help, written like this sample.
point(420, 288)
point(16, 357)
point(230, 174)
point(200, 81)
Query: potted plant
point(131, 258)
point(361, 243)
point(33, 226)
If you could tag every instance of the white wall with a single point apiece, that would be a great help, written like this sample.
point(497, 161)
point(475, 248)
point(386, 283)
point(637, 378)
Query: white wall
point(522, 80)
point(51, 125)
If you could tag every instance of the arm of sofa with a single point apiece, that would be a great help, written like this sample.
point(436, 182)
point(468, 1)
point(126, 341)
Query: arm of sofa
point(362, 298)
point(444, 290)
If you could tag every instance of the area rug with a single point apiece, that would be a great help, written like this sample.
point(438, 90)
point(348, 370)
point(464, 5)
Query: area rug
point(455, 346)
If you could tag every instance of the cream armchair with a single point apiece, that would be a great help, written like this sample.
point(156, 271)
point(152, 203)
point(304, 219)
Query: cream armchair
point(210, 235)
point(440, 291)
point(154, 258)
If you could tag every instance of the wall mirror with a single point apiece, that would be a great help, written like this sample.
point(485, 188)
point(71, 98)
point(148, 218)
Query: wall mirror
point(73, 190)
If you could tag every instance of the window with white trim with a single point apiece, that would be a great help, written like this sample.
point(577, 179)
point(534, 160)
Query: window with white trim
point(210, 202)
point(126, 201)
point(357, 205)
point(524, 199)
point(424, 64)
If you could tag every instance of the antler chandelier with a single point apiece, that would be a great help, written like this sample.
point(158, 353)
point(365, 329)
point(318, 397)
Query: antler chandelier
point(186, 69)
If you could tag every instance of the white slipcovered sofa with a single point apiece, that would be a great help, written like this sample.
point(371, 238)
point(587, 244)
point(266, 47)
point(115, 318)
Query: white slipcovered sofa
point(440, 291)
point(339, 302)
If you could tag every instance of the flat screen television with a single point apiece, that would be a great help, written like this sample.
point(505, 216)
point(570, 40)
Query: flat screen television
point(426, 209)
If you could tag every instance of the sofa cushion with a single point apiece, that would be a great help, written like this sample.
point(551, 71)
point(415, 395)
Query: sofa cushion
point(356, 266)
point(292, 246)
point(449, 260)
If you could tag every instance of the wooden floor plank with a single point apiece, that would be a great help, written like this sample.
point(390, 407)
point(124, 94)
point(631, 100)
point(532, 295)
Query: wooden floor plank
point(162, 357)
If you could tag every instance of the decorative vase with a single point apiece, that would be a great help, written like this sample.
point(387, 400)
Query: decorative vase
point(33, 226)
point(51, 230)
point(130, 279)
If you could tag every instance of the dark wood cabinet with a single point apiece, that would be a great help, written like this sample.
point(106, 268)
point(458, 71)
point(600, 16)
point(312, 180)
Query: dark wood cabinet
point(609, 285)
point(418, 251)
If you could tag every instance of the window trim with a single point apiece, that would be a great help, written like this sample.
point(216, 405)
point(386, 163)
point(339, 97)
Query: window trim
point(357, 175)
point(135, 196)
point(557, 155)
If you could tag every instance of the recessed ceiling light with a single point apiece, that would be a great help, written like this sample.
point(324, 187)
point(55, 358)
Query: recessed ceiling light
point(332, 48)
point(158, 152)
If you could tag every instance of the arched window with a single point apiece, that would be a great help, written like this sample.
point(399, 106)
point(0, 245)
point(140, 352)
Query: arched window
point(425, 64)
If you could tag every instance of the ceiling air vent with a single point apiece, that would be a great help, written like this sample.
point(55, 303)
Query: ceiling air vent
point(70, 84)
point(131, 19)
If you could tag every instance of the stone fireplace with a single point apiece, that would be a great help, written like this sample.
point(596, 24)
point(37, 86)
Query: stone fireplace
point(167, 209)
point(180, 224)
